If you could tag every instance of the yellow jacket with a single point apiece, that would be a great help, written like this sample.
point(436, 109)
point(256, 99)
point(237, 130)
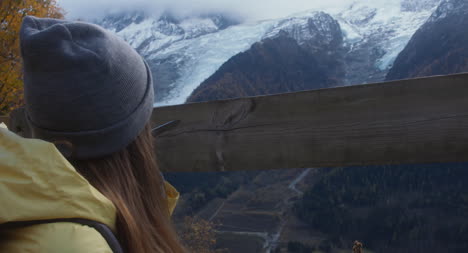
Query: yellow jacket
point(38, 183)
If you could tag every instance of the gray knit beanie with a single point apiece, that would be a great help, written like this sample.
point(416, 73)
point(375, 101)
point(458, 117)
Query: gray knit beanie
point(83, 85)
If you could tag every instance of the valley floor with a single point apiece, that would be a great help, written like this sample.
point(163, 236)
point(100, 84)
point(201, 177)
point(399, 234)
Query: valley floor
point(258, 216)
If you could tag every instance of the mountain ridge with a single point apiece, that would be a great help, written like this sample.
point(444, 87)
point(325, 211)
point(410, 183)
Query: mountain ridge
point(185, 52)
point(282, 62)
point(441, 36)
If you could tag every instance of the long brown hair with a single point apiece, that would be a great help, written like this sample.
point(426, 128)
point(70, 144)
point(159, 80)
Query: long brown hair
point(131, 179)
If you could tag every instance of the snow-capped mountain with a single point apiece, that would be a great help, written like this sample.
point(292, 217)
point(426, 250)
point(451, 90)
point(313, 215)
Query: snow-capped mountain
point(449, 7)
point(184, 52)
point(439, 47)
point(418, 5)
point(376, 32)
point(298, 54)
point(149, 35)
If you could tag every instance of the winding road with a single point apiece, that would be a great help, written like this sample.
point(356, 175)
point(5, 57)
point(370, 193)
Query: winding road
point(271, 240)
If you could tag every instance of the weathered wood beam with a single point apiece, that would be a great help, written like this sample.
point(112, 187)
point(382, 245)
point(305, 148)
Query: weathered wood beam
point(403, 122)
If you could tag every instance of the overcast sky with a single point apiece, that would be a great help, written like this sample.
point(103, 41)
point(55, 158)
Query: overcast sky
point(251, 9)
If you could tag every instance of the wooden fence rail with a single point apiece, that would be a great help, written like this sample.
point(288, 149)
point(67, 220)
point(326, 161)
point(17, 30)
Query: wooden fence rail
point(403, 122)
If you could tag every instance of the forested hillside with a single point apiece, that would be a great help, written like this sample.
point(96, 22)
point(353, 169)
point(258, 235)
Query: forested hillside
point(418, 208)
point(391, 208)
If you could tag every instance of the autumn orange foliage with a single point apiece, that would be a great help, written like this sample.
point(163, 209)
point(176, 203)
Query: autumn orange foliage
point(199, 235)
point(12, 13)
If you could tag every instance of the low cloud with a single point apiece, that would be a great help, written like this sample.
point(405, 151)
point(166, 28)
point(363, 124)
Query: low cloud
point(250, 9)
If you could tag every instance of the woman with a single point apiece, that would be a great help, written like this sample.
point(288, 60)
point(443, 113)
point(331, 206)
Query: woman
point(89, 93)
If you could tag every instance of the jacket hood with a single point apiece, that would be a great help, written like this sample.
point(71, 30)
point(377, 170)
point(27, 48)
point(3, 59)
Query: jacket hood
point(37, 183)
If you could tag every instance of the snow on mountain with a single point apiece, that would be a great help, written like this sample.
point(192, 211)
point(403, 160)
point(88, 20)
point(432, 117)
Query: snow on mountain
point(375, 32)
point(196, 59)
point(301, 27)
point(447, 7)
point(150, 34)
point(418, 5)
point(438, 47)
point(390, 24)
point(183, 53)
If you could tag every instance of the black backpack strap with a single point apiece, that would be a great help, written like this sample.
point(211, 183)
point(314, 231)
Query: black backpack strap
point(103, 229)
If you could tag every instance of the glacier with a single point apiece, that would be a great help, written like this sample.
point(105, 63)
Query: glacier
point(202, 56)
point(365, 19)
point(195, 47)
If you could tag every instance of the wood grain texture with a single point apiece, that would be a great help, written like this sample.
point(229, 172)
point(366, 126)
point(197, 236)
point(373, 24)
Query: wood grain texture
point(403, 122)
